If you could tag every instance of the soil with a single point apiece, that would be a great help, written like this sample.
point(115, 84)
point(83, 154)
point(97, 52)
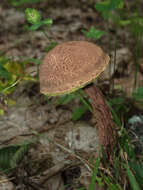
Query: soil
point(60, 149)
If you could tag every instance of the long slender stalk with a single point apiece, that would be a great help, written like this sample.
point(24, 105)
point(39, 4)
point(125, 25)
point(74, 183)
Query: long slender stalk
point(84, 101)
point(45, 33)
point(115, 51)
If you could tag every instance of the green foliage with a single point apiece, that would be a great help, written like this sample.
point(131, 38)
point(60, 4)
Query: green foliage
point(111, 185)
point(33, 60)
point(11, 73)
point(65, 99)
point(17, 3)
point(95, 171)
point(118, 108)
point(130, 167)
point(78, 112)
point(132, 179)
point(135, 23)
point(93, 33)
point(35, 19)
point(4, 73)
point(33, 16)
point(50, 46)
point(1, 112)
point(137, 169)
point(10, 156)
point(106, 7)
point(118, 104)
point(127, 147)
point(138, 95)
point(122, 168)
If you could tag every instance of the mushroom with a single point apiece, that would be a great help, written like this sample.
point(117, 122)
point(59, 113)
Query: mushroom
point(73, 65)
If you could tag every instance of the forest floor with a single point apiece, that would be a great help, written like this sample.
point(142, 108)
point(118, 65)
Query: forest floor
point(60, 149)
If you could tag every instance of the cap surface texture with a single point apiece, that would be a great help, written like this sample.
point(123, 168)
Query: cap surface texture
point(70, 66)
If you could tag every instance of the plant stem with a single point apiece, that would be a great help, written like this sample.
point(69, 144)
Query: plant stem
point(45, 33)
point(138, 45)
point(84, 101)
point(115, 50)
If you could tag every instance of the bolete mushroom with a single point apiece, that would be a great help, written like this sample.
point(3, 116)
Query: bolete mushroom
point(73, 65)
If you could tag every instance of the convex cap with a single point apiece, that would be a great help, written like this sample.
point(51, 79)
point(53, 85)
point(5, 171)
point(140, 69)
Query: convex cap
point(70, 66)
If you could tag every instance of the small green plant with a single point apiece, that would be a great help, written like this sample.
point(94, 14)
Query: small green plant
point(119, 108)
point(81, 109)
point(125, 168)
point(93, 33)
point(108, 8)
point(11, 74)
point(35, 19)
point(123, 17)
point(36, 22)
point(120, 16)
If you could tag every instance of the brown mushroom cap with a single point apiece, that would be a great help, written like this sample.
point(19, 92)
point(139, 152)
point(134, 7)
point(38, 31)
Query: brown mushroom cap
point(70, 66)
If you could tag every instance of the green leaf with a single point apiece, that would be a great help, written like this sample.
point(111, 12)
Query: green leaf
point(1, 112)
point(33, 16)
point(102, 6)
point(137, 25)
point(78, 112)
point(110, 184)
point(47, 99)
point(18, 155)
point(115, 116)
point(4, 60)
point(138, 170)
point(93, 33)
point(138, 95)
point(124, 22)
point(99, 181)
point(11, 155)
point(4, 73)
point(47, 21)
point(5, 157)
point(115, 4)
point(132, 179)
point(65, 99)
point(35, 26)
point(127, 147)
point(93, 178)
point(106, 7)
point(50, 46)
point(33, 60)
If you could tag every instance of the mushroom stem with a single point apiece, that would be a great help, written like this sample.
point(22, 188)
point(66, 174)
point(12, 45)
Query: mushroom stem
point(105, 124)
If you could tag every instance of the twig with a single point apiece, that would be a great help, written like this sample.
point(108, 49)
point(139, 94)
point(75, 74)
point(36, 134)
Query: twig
point(6, 180)
point(72, 153)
